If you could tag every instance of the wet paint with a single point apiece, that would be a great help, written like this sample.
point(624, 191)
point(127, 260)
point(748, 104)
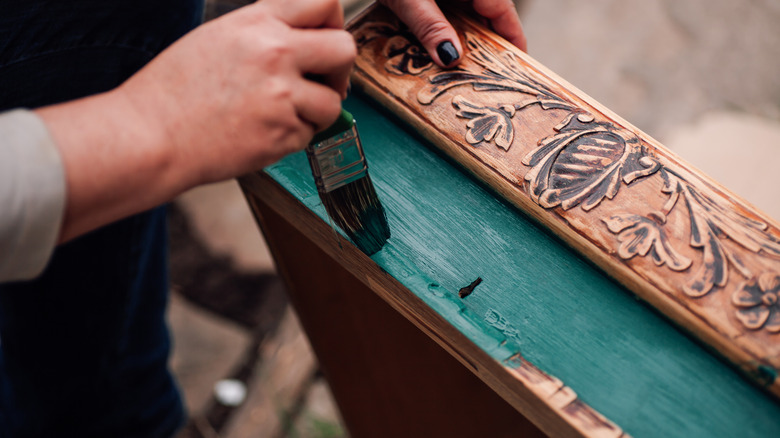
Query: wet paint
point(537, 297)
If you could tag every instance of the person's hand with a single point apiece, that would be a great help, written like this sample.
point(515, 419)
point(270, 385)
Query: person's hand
point(237, 93)
point(436, 34)
point(231, 97)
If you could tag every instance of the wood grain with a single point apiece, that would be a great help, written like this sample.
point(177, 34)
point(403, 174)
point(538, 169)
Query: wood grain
point(680, 241)
point(538, 301)
point(544, 400)
point(388, 378)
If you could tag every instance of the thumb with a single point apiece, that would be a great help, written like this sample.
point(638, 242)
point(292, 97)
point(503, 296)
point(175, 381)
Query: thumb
point(428, 24)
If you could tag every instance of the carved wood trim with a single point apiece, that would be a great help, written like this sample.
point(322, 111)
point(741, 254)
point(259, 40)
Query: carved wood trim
point(679, 240)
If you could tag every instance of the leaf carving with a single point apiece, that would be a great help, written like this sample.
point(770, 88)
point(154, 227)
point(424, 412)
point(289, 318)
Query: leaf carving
point(711, 222)
point(587, 160)
point(486, 123)
point(495, 72)
point(585, 163)
point(642, 236)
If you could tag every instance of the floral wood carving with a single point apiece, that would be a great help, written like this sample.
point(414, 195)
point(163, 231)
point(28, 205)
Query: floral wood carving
point(758, 302)
point(711, 224)
point(404, 54)
point(586, 161)
point(677, 239)
point(639, 235)
point(486, 123)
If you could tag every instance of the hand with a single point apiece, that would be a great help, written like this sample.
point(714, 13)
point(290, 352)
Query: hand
point(229, 98)
point(235, 94)
point(427, 22)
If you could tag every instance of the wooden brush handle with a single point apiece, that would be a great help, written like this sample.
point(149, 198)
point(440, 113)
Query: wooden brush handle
point(679, 240)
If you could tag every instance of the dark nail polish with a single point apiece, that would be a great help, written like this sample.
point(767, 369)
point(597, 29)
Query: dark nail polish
point(447, 52)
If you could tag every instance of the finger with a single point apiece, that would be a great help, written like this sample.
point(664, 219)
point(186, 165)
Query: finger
point(428, 24)
point(326, 53)
point(503, 19)
point(316, 104)
point(307, 13)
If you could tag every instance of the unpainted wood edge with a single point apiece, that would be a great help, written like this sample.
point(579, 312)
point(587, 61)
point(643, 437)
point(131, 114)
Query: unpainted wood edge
point(528, 389)
point(566, 401)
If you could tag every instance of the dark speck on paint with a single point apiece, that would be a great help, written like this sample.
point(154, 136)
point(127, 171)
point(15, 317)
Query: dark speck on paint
point(466, 291)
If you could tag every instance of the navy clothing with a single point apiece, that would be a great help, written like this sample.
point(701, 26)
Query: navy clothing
point(84, 348)
point(57, 50)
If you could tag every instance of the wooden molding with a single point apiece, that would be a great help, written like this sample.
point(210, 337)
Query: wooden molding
point(701, 255)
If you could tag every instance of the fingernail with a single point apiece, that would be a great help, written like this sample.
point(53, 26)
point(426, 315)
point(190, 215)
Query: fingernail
point(447, 52)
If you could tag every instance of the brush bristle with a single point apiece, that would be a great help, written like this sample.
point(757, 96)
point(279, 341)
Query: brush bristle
point(356, 209)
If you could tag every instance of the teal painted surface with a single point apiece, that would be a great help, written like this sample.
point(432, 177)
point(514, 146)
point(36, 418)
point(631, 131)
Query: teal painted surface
point(558, 311)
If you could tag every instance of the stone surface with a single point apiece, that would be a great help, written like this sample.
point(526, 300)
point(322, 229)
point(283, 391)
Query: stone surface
point(319, 417)
point(741, 151)
point(660, 64)
point(206, 348)
point(284, 371)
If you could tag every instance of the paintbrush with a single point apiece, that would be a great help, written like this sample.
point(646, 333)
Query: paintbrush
point(341, 174)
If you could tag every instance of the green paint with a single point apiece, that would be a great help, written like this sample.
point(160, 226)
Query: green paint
point(538, 297)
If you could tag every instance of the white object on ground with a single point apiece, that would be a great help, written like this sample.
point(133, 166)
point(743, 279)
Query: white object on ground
point(230, 392)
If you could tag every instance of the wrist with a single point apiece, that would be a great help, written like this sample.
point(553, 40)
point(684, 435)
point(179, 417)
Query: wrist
point(115, 159)
point(148, 134)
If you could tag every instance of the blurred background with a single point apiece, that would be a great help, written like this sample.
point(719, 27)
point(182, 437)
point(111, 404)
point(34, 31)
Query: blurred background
point(701, 76)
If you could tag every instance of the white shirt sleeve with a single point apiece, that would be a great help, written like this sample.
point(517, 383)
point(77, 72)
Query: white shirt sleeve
point(32, 195)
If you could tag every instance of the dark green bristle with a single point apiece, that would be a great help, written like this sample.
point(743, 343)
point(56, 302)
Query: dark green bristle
point(356, 209)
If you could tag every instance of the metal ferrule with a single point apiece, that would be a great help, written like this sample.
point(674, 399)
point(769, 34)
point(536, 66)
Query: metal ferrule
point(337, 161)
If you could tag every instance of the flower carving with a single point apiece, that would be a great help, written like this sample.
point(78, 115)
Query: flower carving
point(758, 302)
point(486, 123)
point(404, 53)
point(406, 57)
point(588, 159)
point(642, 236)
point(585, 163)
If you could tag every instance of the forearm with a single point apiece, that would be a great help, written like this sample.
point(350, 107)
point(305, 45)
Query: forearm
point(231, 97)
point(115, 163)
